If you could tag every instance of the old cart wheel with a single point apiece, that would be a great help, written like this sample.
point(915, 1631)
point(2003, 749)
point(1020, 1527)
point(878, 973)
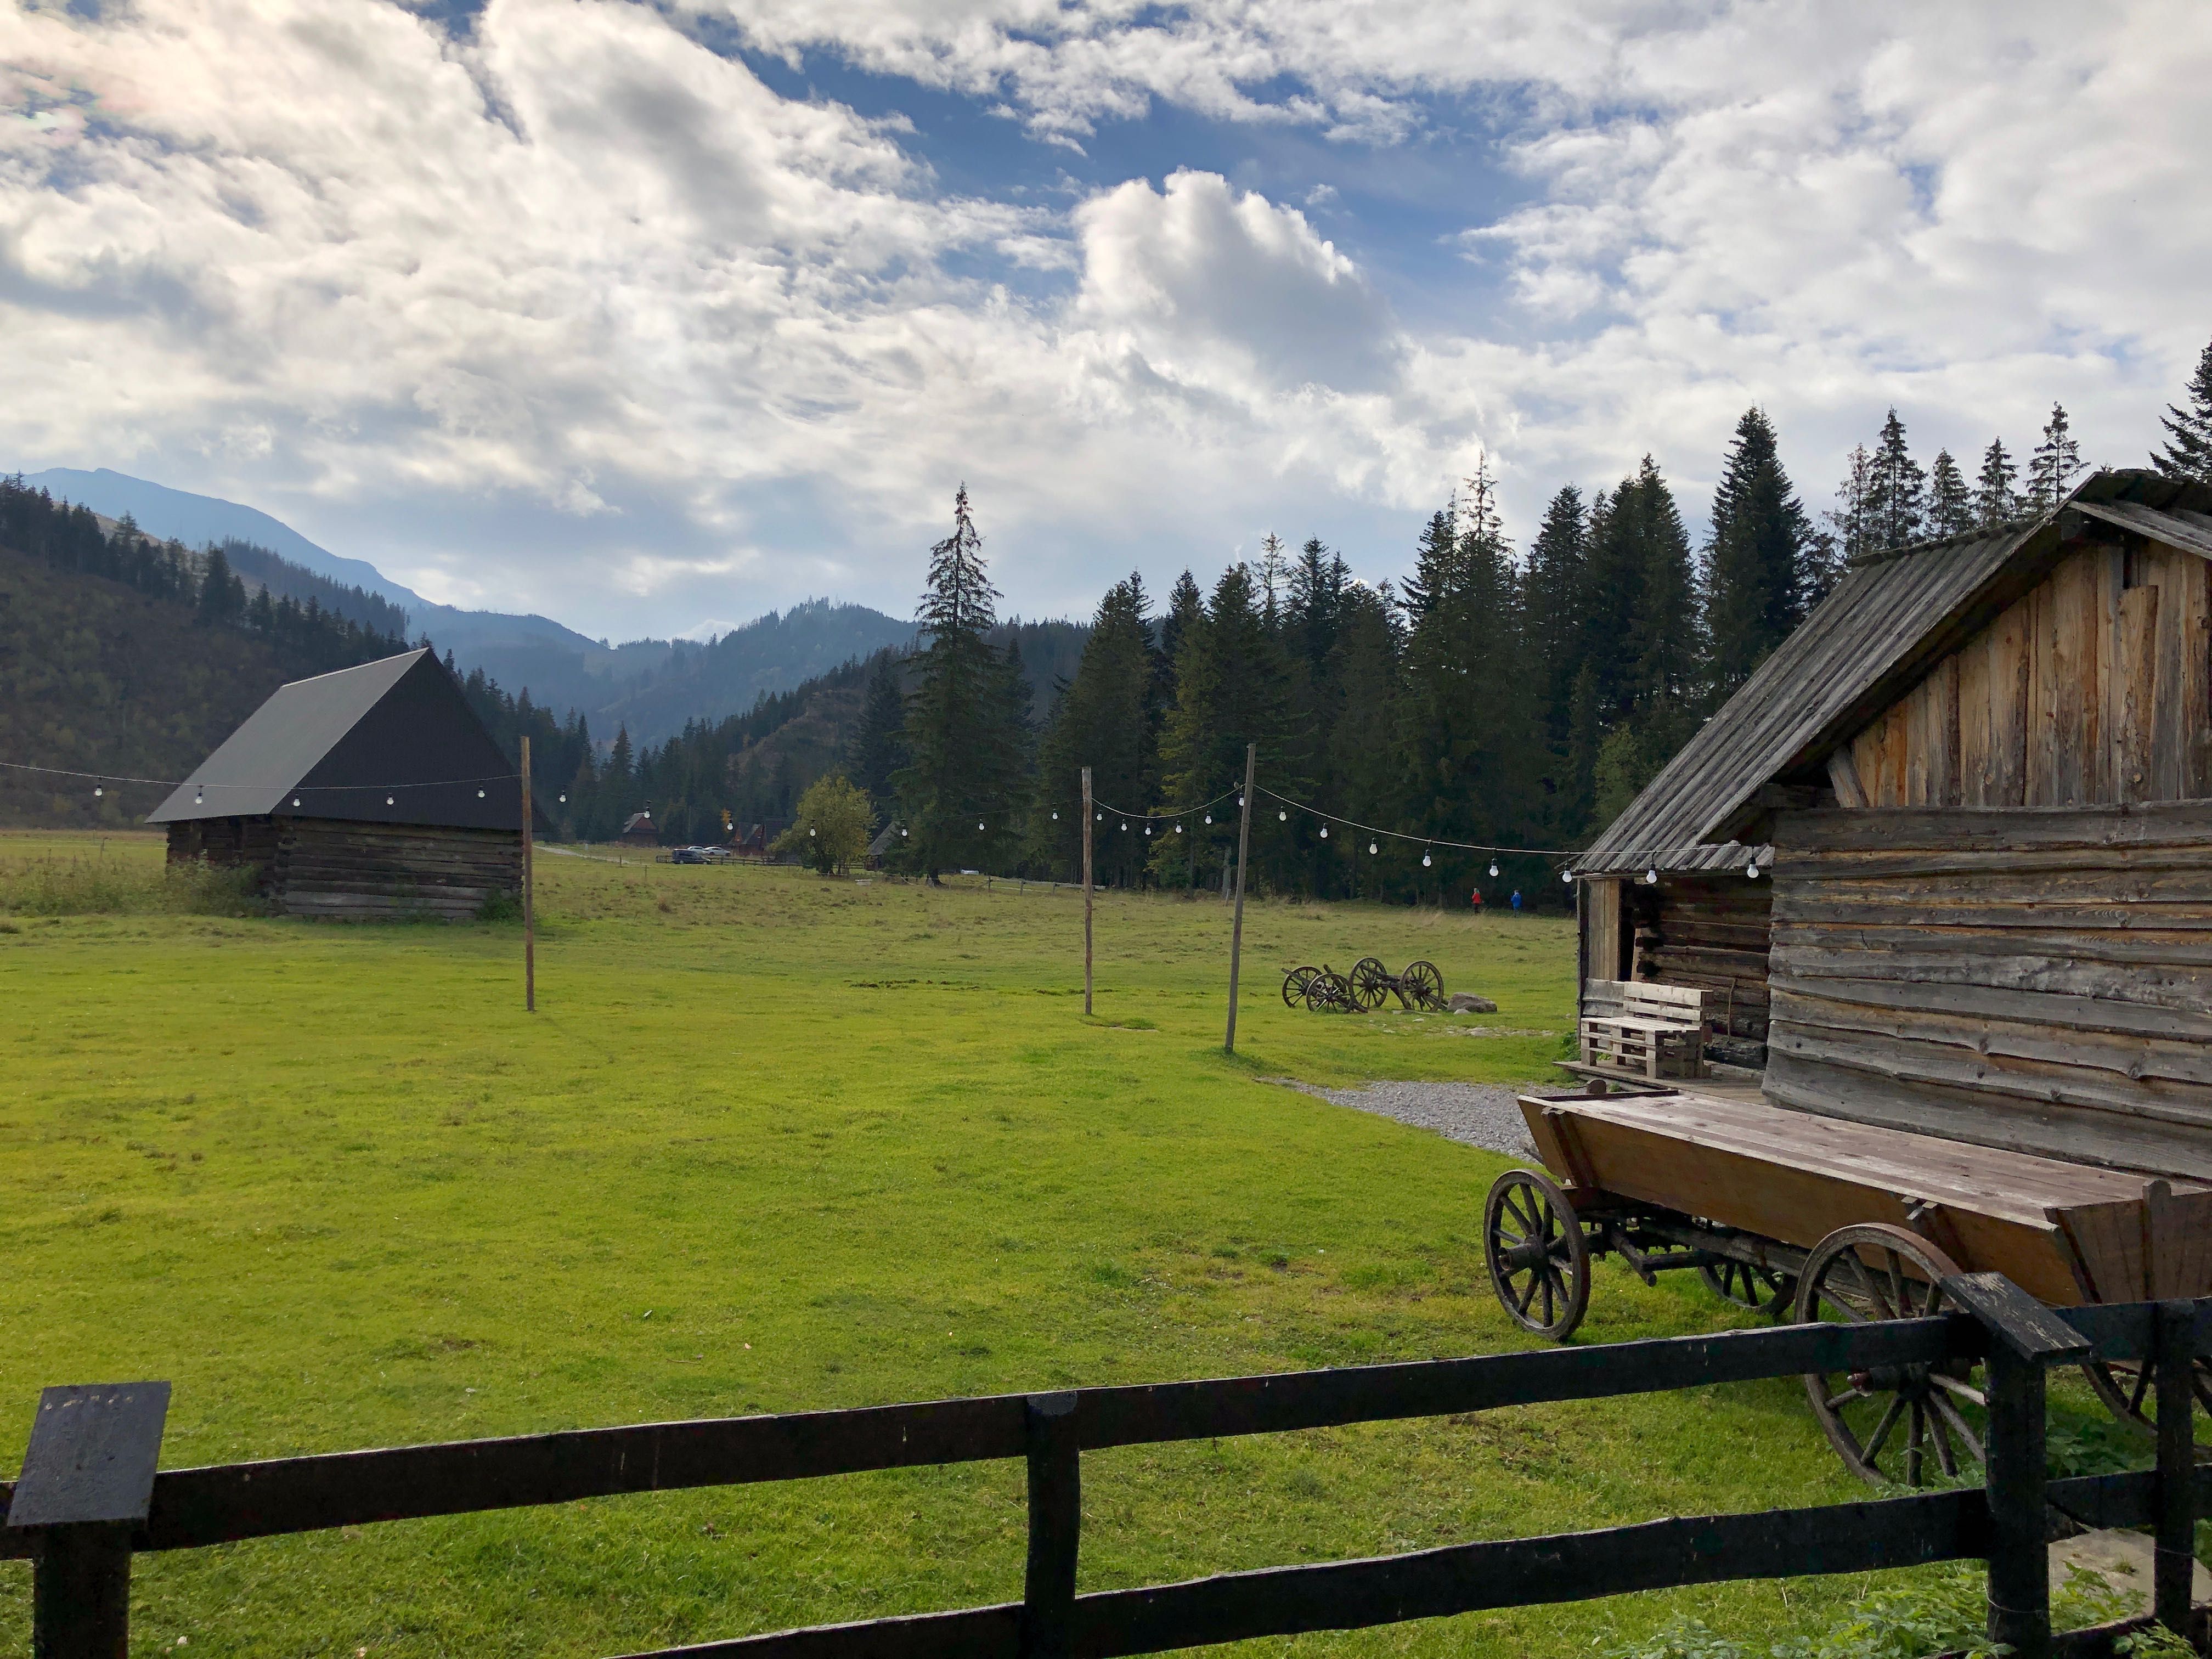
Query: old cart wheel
point(1371, 983)
point(1329, 993)
point(1294, 983)
point(1761, 1290)
point(1539, 1260)
point(1425, 984)
point(2125, 1386)
point(1889, 1423)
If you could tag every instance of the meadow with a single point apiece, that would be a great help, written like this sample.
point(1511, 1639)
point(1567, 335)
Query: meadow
point(773, 1142)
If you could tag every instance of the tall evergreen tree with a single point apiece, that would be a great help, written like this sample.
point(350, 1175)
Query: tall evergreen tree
point(959, 794)
point(1950, 502)
point(1896, 488)
point(2057, 459)
point(1996, 500)
point(1552, 594)
point(1106, 717)
point(2187, 453)
point(1852, 517)
point(876, 750)
point(1274, 573)
point(1756, 562)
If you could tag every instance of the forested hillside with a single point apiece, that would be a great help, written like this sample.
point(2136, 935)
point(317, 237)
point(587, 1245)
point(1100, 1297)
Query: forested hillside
point(118, 655)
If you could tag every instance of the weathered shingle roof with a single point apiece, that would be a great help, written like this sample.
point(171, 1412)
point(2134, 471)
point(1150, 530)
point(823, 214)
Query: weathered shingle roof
point(339, 746)
point(1890, 620)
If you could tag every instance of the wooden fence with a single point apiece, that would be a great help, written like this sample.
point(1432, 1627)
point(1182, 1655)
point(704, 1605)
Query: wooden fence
point(90, 1495)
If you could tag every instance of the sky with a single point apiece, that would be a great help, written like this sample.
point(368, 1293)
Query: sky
point(653, 317)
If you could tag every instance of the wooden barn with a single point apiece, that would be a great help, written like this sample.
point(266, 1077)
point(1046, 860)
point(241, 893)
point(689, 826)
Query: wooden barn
point(373, 792)
point(637, 830)
point(1944, 864)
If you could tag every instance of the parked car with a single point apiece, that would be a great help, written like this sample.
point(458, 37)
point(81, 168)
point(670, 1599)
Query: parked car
point(688, 855)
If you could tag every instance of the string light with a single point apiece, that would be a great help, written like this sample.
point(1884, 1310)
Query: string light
point(1371, 849)
point(1209, 817)
point(1280, 817)
point(1055, 817)
point(1148, 829)
point(1494, 867)
point(902, 835)
point(1427, 861)
point(810, 835)
point(97, 791)
point(1568, 877)
point(564, 800)
point(479, 794)
point(387, 800)
point(1751, 871)
point(1651, 877)
point(979, 823)
point(295, 800)
point(1178, 828)
point(1324, 832)
point(199, 795)
point(1124, 825)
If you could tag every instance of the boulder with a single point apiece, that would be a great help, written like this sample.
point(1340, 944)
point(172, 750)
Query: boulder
point(1464, 1002)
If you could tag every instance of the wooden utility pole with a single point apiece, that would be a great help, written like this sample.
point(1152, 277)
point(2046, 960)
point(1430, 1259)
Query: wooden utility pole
point(529, 911)
point(1086, 892)
point(1236, 927)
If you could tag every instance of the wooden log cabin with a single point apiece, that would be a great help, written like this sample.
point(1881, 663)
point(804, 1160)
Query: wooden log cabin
point(1947, 856)
point(371, 792)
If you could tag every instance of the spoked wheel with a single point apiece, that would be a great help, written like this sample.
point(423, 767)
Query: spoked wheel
point(1760, 1290)
point(1539, 1260)
point(1294, 983)
point(1425, 984)
point(1328, 993)
point(1371, 983)
point(2126, 1387)
point(1889, 1423)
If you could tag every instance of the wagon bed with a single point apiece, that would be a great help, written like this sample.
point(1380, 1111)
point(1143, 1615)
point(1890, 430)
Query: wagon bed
point(2068, 1233)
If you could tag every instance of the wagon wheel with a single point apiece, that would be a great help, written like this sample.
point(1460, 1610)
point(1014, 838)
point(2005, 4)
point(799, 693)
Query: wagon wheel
point(1329, 993)
point(1294, 983)
point(1539, 1260)
point(1885, 1422)
point(1760, 1290)
point(2127, 1388)
point(1371, 983)
point(1425, 984)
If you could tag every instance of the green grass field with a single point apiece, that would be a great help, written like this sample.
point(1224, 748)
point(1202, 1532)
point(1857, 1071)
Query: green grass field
point(773, 1143)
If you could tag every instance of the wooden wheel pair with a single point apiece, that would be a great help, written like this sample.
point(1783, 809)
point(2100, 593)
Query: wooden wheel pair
point(1900, 1426)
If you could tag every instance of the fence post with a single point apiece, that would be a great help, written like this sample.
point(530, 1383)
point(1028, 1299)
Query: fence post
point(2174, 1354)
point(2024, 1338)
point(88, 1480)
point(1055, 1527)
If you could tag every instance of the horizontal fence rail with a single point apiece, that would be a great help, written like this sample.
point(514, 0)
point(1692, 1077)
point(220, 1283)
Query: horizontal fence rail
point(191, 1508)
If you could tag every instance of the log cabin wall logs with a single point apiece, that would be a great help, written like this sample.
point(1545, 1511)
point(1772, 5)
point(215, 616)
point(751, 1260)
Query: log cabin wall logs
point(1709, 932)
point(2038, 979)
point(334, 868)
point(2095, 686)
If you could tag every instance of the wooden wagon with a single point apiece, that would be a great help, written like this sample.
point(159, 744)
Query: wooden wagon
point(1940, 872)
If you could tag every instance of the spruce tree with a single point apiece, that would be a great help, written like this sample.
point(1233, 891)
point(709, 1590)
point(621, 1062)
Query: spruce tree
point(2057, 459)
point(1186, 607)
point(2186, 455)
point(875, 752)
point(1950, 502)
point(959, 793)
point(1552, 594)
point(1896, 488)
point(1996, 500)
point(1105, 718)
point(1756, 561)
point(1852, 517)
point(1435, 555)
point(1274, 576)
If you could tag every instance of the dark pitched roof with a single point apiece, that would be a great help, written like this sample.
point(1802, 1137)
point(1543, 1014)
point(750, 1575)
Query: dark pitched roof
point(340, 746)
point(1892, 618)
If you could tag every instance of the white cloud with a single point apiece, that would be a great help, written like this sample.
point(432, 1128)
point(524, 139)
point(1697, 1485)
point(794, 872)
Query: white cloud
point(638, 339)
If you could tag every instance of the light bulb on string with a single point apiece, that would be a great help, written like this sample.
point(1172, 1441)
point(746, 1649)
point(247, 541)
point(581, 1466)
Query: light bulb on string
point(1055, 817)
point(1752, 871)
point(97, 791)
point(387, 800)
point(902, 835)
point(295, 800)
point(1651, 877)
point(1125, 825)
point(1568, 877)
point(979, 823)
point(1371, 849)
point(564, 800)
point(1494, 867)
point(1209, 817)
point(1280, 817)
point(1148, 829)
point(1178, 828)
point(1427, 861)
point(199, 796)
point(1324, 832)
point(810, 835)
point(479, 794)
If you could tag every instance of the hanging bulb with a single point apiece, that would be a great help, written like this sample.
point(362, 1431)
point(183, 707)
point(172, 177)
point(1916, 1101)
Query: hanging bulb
point(564, 800)
point(1055, 817)
point(810, 835)
point(479, 794)
point(979, 823)
point(902, 835)
point(387, 800)
point(1427, 861)
point(1324, 832)
point(1148, 829)
point(1281, 818)
point(199, 795)
point(97, 791)
point(1125, 824)
point(1209, 817)
point(1371, 849)
point(1239, 801)
point(1494, 867)
point(1752, 871)
point(1102, 817)
point(295, 800)
point(1651, 877)
point(1178, 828)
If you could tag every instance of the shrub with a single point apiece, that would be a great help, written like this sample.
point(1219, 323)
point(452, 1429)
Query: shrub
point(100, 885)
point(831, 831)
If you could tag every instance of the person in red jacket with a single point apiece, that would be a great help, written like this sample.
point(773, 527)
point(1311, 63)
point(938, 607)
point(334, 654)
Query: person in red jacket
point(1477, 900)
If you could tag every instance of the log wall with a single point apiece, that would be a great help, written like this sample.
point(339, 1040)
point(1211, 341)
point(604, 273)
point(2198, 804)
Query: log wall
point(366, 871)
point(2038, 979)
point(2095, 687)
point(1709, 932)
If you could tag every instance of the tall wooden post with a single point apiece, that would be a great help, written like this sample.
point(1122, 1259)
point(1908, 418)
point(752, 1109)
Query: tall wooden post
point(2174, 1357)
point(1086, 892)
point(1236, 927)
point(529, 909)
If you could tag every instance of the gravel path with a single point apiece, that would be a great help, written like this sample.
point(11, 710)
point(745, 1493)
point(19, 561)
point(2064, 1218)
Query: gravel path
point(1478, 1114)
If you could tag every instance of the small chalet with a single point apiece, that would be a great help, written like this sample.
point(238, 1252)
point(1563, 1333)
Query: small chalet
point(639, 831)
point(372, 791)
point(1944, 863)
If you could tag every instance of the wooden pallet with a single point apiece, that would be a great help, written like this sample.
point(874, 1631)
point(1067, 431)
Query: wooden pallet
point(1646, 1030)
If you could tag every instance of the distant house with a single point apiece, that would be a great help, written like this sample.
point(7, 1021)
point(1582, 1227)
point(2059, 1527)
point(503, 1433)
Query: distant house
point(885, 841)
point(372, 791)
point(639, 831)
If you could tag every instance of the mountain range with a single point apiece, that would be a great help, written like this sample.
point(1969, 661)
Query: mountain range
point(653, 687)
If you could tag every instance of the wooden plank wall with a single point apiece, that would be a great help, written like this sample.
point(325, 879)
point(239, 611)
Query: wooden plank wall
point(1709, 932)
point(1604, 941)
point(2096, 686)
point(2038, 979)
point(334, 868)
